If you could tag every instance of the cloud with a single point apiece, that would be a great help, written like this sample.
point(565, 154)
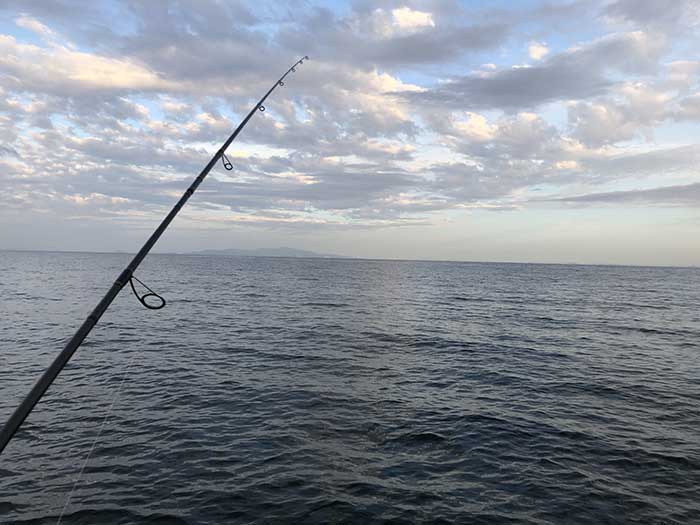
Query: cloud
point(35, 26)
point(537, 50)
point(374, 131)
point(665, 161)
point(411, 20)
point(669, 16)
point(390, 23)
point(60, 70)
point(636, 109)
point(682, 74)
point(377, 38)
point(679, 195)
point(476, 128)
point(522, 142)
point(578, 73)
point(689, 108)
point(7, 150)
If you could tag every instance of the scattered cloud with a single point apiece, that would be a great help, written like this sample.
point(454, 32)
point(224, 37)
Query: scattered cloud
point(32, 24)
point(409, 112)
point(411, 20)
point(61, 70)
point(388, 39)
point(537, 50)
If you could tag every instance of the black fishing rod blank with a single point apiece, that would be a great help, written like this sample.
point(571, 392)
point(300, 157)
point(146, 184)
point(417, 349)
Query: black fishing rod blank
point(127, 276)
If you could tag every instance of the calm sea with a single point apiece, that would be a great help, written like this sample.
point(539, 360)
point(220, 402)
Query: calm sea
point(353, 391)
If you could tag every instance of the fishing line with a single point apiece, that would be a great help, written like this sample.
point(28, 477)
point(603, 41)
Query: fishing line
point(97, 437)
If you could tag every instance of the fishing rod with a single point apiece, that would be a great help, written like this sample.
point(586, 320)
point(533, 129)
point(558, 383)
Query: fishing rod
point(127, 276)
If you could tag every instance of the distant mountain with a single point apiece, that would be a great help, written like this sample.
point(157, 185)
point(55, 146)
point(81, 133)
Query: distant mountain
point(268, 252)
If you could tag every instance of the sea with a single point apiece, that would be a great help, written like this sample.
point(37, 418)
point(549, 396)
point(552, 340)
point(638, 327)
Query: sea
point(285, 390)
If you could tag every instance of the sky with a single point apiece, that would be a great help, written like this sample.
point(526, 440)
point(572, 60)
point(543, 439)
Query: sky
point(565, 132)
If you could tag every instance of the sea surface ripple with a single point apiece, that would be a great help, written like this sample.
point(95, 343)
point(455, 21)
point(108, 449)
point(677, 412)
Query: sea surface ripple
point(353, 391)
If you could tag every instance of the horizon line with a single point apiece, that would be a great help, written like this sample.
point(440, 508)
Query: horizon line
point(338, 257)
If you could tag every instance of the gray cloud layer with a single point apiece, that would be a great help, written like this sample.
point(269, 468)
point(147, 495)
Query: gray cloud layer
point(680, 195)
point(575, 74)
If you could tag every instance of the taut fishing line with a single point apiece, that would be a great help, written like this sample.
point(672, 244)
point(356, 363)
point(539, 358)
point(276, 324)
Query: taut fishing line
point(97, 438)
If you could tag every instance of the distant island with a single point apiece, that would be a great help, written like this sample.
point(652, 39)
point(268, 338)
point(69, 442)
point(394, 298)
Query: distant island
point(269, 252)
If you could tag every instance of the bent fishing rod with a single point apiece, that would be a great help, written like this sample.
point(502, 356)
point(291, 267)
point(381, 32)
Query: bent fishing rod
point(127, 276)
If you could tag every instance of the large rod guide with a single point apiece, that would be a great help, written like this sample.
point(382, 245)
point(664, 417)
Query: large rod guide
point(25, 408)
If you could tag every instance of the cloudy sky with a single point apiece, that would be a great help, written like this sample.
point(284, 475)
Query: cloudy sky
point(520, 131)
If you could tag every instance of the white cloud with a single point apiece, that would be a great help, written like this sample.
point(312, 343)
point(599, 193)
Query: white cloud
point(397, 22)
point(411, 20)
point(476, 128)
point(537, 50)
point(32, 24)
point(57, 68)
point(567, 165)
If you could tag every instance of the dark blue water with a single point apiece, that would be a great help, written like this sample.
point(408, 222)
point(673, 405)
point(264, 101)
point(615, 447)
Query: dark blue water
point(339, 391)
